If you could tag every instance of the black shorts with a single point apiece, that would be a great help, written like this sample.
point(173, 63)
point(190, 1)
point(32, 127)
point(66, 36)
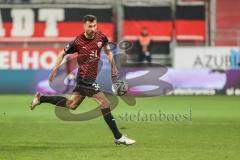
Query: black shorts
point(86, 88)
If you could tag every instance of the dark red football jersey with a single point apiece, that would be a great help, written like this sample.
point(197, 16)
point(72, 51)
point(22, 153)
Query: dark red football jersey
point(88, 53)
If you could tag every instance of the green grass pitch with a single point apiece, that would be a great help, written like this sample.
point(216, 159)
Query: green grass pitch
point(211, 133)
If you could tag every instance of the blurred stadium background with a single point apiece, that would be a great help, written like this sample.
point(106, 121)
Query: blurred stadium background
point(193, 38)
point(197, 42)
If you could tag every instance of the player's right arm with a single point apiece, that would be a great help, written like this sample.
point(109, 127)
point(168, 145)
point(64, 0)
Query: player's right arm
point(69, 49)
point(56, 66)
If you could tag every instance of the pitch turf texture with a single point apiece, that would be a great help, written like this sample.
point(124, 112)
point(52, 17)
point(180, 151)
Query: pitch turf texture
point(211, 133)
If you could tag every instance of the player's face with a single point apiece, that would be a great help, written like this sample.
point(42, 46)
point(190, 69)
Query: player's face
point(90, 27)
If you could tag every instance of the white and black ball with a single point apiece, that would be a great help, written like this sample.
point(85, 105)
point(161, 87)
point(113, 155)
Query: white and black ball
point(120, 87)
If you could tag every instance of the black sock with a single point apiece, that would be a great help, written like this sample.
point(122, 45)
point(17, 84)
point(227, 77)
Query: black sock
point(109, 119)
point(55, 100)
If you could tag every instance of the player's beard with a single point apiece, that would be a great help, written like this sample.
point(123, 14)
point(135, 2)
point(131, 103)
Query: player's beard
point(90, 35)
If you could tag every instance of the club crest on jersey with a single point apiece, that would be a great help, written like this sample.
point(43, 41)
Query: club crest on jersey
point(67, 47)
point(99, 44)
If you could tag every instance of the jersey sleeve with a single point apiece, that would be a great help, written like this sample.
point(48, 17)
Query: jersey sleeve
point(70, 48)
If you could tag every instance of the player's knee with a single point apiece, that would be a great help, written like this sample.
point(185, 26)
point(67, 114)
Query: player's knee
point(104, 104)
point(72, 105)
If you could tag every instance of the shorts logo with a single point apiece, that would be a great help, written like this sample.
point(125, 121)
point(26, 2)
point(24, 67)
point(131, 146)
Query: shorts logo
point(96, 86)
point(99, 44)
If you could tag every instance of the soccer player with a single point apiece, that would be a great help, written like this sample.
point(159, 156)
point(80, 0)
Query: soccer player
point(88, 47)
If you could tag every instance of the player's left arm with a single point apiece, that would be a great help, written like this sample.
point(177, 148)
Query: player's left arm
point(109, 54)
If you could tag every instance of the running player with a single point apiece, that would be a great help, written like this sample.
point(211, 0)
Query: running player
point(88, 47)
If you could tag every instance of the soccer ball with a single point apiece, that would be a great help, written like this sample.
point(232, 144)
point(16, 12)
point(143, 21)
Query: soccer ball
point(120, 87)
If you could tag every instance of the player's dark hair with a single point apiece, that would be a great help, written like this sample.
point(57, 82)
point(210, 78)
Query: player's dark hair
point(89, 18)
